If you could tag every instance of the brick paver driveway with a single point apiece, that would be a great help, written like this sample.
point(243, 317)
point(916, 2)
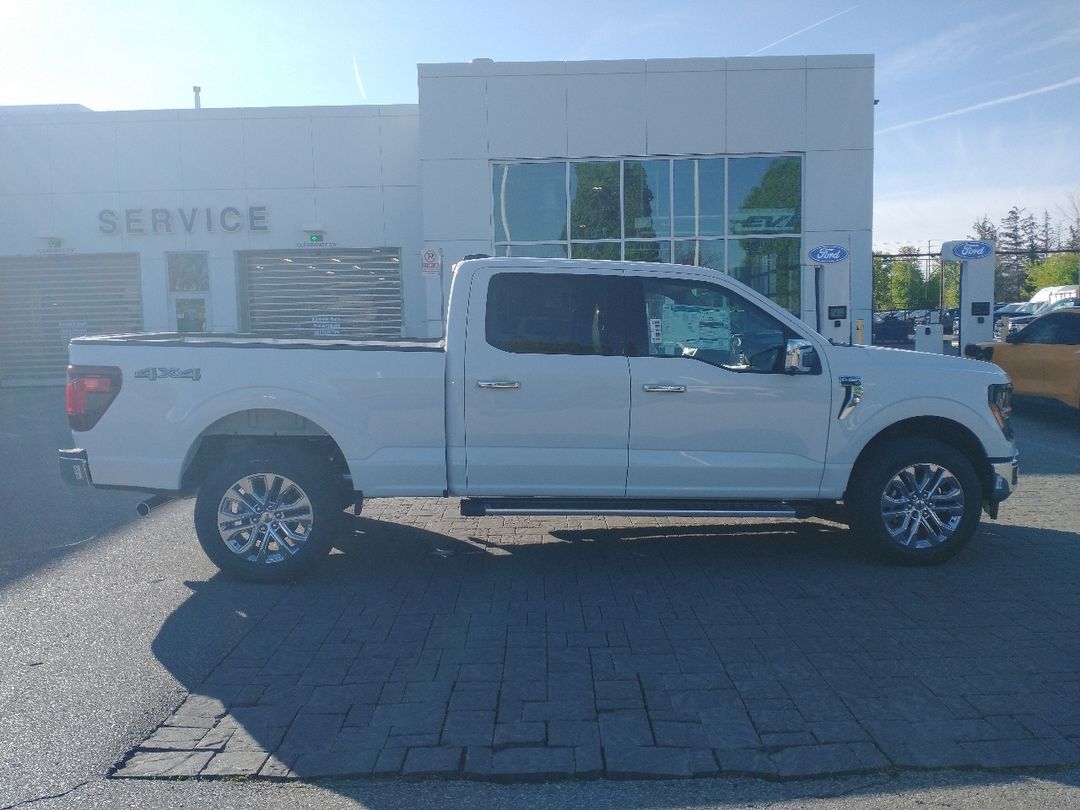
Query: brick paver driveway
point(523, 648)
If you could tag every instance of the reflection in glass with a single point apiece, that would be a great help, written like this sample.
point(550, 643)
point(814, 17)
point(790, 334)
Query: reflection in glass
point(765, 195)
point(699, 197)
point(648, 251)
point(594, 200)
point(646, 203)
point(557, 251)
point(595, 250)
point(770, 266)
point(700, 253)
point(188, 272)
point(530, 201)
point(190, 315)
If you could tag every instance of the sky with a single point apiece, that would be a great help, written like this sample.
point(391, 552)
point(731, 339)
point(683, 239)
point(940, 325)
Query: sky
point(979, 99)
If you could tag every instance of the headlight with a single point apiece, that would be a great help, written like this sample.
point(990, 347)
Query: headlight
point(1000, 399)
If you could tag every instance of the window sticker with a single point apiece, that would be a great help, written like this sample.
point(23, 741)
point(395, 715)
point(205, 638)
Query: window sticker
point(656, 331)
point(702, 327)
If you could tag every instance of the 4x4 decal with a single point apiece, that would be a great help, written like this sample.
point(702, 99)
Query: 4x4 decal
point(194, 374)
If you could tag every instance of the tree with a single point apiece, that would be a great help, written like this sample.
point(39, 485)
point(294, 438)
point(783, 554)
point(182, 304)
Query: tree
point(983, 229)
point(1058, 270)
point(881, 290)
point(1011, 264)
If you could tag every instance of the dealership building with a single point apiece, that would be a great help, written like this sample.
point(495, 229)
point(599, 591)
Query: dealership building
point(345, 222)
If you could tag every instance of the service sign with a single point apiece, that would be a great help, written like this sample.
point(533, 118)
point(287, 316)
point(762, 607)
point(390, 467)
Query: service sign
point(972, 250)
point(828, 254)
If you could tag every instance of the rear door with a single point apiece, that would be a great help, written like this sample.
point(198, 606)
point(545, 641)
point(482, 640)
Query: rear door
point(712, 414)
point(546, 386)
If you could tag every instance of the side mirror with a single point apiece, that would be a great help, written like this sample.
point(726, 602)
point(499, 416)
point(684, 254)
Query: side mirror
point(799, 357)
point(1012, 337)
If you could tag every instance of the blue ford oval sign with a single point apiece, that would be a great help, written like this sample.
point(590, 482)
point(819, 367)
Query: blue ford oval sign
point(972, 250)
point(827, 254)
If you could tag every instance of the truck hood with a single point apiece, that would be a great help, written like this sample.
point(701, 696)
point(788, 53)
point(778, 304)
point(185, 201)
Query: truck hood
point(909, 373)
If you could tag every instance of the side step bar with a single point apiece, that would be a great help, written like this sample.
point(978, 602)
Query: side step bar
point(633, 507)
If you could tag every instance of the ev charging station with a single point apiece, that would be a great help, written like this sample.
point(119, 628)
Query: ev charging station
point(828, 275)
point(976, 260)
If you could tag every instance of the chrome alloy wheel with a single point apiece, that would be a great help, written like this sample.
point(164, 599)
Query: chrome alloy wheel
point(922, 505)
point(264, 518)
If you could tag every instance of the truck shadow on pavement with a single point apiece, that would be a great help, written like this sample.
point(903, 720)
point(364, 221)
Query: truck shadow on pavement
point(523, 649)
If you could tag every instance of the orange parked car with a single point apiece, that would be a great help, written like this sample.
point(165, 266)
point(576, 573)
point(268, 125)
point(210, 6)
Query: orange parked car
point(1043, 359)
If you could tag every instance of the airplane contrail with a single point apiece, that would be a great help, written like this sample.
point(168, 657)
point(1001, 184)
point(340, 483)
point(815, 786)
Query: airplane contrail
point(1038, 91)
point(359, 81)
point(804, 30)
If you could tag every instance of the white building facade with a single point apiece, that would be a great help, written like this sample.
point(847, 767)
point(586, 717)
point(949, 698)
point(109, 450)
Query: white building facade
point(343, 222)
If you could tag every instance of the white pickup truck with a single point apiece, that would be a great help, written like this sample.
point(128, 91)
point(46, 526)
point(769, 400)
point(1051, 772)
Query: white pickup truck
point(561, 388)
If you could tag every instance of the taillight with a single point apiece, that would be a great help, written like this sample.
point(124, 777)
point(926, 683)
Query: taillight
point(90, 392)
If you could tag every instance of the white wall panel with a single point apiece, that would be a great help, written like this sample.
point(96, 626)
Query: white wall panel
point(347, 151)
point(686, 112)
point(83, 157)
point(212, 152)
point(22, 217)
point(353, 217)
point(400, 144)
point(457, 199)
point(539, 133)
point(277, 153)
point(453, 118)
point(402, 217)
point(606, 114)
point(766, 110)
point(839, 191)
point(24, 160)
point(148, 155)
point(75, 217)
point(840, 108)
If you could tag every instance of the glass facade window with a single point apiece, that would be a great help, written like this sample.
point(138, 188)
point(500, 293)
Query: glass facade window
point(530, 202)
point(764, 195)
point(699, 197)
point(189, 291)
point(594, 200)
point(695, 211)
point(646, 199)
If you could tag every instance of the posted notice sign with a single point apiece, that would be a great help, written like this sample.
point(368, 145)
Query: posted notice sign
point(431, 260)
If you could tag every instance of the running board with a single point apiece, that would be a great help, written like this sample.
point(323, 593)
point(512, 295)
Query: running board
point(633, 507)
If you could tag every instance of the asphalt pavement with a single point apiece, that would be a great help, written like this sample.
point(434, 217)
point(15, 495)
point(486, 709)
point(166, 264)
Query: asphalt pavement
point(108, 623)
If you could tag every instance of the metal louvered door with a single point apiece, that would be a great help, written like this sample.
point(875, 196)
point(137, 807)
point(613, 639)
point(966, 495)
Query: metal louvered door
point(46, 300)
point(347, 293)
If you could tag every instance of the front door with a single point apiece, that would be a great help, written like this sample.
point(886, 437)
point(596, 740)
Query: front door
point(712, 413)
point(547, 386)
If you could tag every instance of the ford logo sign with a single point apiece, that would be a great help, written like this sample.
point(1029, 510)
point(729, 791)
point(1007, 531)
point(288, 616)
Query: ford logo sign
point(972, 250)
point(827, 254)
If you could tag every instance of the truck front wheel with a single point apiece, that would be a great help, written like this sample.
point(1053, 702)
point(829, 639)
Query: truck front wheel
point(916, 501)
point(267, 518)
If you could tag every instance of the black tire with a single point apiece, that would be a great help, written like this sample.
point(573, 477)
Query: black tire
point(917, 502)
point(288, 500)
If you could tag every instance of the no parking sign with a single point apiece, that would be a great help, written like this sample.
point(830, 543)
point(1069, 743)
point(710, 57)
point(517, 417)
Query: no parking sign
point(431, 260)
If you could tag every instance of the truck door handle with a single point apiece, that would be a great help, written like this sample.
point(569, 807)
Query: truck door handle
point(498, 384)
point(653, 388)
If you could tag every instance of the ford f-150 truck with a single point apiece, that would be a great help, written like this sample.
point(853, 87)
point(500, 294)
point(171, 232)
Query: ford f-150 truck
point(562, 387)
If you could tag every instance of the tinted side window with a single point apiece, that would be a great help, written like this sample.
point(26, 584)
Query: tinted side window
point(1042, 331)
point(545, 313)
point(707, 322)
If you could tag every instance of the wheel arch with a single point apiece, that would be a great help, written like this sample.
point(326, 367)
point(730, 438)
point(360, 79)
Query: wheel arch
point(248, 431)
point(947, 431)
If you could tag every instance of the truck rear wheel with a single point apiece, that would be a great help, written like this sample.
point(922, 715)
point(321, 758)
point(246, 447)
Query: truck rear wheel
point(916, 501)
point(266, 518)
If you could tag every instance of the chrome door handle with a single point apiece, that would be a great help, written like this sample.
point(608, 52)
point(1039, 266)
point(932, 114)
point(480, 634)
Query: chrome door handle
point(653, 388)
point(498, 384)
